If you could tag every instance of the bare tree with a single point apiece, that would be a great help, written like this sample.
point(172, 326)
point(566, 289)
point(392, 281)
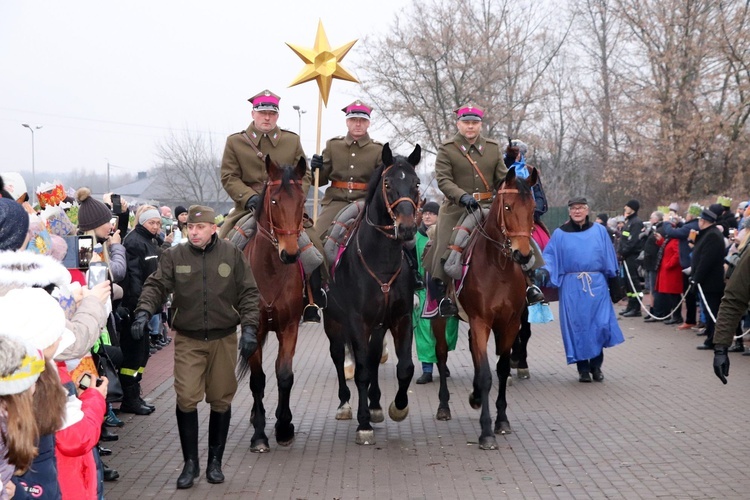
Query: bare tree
point(189, 168)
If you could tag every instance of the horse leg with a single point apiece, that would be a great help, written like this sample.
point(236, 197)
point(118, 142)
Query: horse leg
point(365, 432)
point(441, 351)
point(402, 342)
point(502, 425)
point(285, 379)
point(374, 352)
point(259, 441)
point(519, 352)
point(333, 330)
point(482, 382)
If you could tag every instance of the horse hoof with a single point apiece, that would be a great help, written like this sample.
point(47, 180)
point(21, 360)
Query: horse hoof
point(513, 363)
point(376, 415)
point(396, 414)
point(349, 371)
point(443, 414)
point(487, 443)
point(344, 412)
point(510, 381)
point(384, 356)
point(475, 402)
point(523, 373)
point(260, 448)
point(503, 428)
point(285, 441)
point(365, 437)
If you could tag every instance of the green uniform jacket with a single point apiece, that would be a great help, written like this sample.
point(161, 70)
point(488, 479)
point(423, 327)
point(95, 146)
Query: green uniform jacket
point(214, 289)
point(455, 177)
point(345, 160)
point(243, 171)
point(735, 302)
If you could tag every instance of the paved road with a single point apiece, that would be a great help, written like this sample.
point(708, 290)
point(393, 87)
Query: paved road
point(661, 425)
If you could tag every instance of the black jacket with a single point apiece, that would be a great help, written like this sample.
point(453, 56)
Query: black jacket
point(708, 261)
point(631, 243)
point(143, 252)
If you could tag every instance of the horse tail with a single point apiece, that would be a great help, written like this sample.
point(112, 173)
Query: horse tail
point(242, 369)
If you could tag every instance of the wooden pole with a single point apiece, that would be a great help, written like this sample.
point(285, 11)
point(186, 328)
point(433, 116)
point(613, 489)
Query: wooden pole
point(317, 151)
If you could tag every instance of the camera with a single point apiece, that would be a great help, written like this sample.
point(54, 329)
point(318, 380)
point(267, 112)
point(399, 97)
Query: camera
point(98, 273)
point(85, 382)
point(80, 250)
point(116, 204)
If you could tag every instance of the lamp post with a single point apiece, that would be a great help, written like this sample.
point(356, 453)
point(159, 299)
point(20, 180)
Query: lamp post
point(33, 168)
point(299, 111)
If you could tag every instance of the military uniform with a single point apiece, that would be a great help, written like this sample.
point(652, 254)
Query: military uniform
point(243, 171)
point(455, 177)
point(348, 165)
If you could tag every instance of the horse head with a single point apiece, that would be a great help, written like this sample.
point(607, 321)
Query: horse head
point(282, 204)
point(515, 217)
point(393, 193)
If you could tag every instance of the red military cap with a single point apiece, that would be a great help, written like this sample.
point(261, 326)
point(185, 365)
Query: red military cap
point(265, 101)
point(469, 112)
point(357, 109)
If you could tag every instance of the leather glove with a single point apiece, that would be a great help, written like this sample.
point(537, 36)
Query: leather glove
point(316, 163)
point(252, 203)
point(721, 363)
point(138, 328)
point(248, 341)
point(469, 202)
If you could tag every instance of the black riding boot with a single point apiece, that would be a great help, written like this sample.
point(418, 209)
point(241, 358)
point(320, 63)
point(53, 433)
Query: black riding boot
point(187, 424)
point(131, 401)
point(417, 279)
point(446, 307)
point(319, 300)
point(218, 428)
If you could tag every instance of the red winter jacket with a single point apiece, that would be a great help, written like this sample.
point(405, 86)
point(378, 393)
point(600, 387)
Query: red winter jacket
point(669, 277)
point(74, 444)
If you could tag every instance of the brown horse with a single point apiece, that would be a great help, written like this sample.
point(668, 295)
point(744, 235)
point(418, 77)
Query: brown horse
point(493, 296)
point(272, 253)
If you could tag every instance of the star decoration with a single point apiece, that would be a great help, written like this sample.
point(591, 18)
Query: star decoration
point(322, 63)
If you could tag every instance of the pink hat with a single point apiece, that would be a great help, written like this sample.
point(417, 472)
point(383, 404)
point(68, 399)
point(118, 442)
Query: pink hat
point(469, 113)
point(265, 101)
point(357, 109)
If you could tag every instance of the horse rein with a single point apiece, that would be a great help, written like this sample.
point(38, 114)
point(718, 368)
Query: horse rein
point(504, 245)
point(276, 230)
point(386, 230)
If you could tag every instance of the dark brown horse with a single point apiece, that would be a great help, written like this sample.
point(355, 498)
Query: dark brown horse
point(493, 296)
point(272, 253)
point(372, 291)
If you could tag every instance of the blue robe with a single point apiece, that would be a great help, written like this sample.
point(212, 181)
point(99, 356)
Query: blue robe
point(579, 263)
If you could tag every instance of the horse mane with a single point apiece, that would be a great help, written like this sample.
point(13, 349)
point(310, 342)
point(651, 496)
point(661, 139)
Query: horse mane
point(374, 183)
point(287, 174)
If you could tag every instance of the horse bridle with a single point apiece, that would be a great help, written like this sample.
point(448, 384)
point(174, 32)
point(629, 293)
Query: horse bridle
point(505, 245)
point(386, 230)
point(275, 230)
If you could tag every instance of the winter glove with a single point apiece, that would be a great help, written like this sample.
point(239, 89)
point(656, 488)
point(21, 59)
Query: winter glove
point(138, 328)
point(248, 341)
point(252, 203)
point(721, 363)
point(469, 202)
point(316, 163)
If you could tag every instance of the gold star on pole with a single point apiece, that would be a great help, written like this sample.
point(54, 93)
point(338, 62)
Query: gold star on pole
point(322, 63)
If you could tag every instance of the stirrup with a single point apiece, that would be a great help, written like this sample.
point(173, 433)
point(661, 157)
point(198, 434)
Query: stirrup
point(446, 308)
point(311, 313)
point(534, 295)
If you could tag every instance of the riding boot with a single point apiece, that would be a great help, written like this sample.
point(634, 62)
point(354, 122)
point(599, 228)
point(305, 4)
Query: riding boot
point(446, 307)
point(131, 400)
point(417, 279)
point(218, 428)
point(187, 425)
point(316, 298)
point(534, 294)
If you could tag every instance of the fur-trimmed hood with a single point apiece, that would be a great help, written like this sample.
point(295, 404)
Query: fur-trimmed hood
point(25, 269)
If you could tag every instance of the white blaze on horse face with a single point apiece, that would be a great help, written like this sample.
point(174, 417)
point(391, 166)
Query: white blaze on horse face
point(402, 175)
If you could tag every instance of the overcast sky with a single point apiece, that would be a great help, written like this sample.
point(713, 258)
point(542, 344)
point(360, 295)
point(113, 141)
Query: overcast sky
point(108, 80)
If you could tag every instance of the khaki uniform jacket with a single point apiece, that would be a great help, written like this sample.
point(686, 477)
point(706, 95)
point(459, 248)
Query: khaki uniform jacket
point(735, 302)
point(214, 289)
point(455, 177)
point(243, 171)
point(345, 160)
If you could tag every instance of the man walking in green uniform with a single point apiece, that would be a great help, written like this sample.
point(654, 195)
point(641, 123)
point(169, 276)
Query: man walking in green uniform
point(214, 291)
point(243, 167)
point(467, 168)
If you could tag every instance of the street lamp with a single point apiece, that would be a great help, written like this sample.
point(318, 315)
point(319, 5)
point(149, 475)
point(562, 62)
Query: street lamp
point(33, 168)
point(299, 111)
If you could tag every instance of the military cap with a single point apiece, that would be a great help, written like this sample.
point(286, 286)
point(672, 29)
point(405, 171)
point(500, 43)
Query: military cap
point(579, 200)
point(265, 101)
point(199, 213)
point(469, 112)
point(357, 109)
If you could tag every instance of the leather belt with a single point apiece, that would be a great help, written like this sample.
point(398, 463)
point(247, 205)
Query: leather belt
point(481, 196)
point(351, 186)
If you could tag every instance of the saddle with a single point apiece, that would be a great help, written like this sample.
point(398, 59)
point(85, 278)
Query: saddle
point(341, 230)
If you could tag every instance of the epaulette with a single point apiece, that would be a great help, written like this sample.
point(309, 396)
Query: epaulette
point(338, 138)
point(288, 131)
point(492, 141)
point(376, 142)
point(449, 141)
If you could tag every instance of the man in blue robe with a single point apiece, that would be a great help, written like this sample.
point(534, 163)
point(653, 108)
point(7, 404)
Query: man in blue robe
point(580, 259)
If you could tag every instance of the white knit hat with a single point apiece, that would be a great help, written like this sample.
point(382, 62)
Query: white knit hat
point(22, 365)
point(34, 317)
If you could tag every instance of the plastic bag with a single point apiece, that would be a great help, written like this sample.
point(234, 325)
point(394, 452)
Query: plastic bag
point(540, 313)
